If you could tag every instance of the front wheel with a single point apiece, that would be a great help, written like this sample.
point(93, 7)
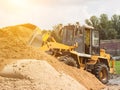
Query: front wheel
point(68, 60)
point(102, 73)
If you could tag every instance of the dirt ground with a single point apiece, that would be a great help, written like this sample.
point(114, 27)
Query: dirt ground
point(13, 45)
point(29, 74)
point(114, 83)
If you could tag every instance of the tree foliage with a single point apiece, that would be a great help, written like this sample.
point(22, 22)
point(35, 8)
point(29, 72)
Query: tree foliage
point(56, 32)
point(94, 21)
point(109, 28)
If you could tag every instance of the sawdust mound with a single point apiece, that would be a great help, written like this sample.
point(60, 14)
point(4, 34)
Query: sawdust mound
point(13, 45)
point(43, 74)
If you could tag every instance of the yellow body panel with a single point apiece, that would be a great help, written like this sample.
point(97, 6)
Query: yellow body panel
point(55, 45)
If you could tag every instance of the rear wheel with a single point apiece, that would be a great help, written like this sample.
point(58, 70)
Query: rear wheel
point(68, 60)
point(102, 73)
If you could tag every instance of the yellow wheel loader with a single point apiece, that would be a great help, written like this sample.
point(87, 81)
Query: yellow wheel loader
point(80, 48)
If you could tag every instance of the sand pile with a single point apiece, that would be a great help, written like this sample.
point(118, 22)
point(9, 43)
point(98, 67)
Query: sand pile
point(13, 46)
point(41, 74)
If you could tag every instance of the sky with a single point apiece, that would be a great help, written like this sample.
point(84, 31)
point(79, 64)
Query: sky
point(47, 13)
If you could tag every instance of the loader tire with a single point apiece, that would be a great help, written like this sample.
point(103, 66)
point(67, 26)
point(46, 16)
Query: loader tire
point(102, 73)
point(62, 58)
point(68, 60)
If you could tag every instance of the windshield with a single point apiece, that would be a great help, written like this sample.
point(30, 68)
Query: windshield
point(95, 36)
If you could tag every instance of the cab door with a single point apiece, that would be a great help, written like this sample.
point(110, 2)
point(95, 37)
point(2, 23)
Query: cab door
point(95, 48)
point(87, 40)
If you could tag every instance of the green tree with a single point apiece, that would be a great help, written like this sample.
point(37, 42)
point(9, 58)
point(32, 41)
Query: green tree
point(112, 33)
point(56, 32)
point(104, 21)
point(93, 21)
point(104, 26)
point(115, 21)
point(116, 24)
point(109, 29)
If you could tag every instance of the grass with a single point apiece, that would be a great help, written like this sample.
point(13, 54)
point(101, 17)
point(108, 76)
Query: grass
point(117, 67)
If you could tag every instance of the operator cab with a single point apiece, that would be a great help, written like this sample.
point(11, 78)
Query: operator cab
point(91, 40)
point(86, 37)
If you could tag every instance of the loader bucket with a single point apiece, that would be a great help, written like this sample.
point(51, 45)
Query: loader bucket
point(36, 38)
